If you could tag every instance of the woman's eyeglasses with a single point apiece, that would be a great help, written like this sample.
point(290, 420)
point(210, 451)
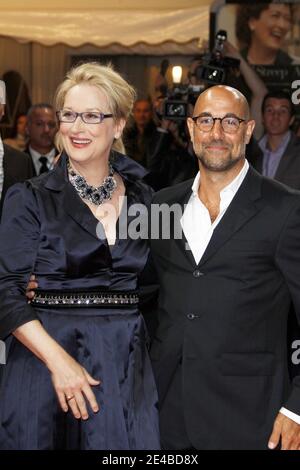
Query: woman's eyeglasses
point(89, 117)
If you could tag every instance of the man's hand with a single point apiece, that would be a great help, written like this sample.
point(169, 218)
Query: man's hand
point(32, 285)
point(289, 432)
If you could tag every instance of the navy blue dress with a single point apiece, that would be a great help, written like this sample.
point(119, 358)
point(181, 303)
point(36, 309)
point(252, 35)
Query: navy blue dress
point(47, 230)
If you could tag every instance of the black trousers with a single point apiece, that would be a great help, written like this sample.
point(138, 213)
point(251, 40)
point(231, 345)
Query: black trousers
point(172, 424)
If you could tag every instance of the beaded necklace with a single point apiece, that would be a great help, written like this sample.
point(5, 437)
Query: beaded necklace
point(96, 195)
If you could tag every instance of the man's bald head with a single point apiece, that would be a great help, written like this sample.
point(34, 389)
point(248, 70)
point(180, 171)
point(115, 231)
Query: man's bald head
point(225, 93)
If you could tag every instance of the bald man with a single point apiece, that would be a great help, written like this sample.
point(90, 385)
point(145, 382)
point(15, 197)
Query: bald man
point(226, 283)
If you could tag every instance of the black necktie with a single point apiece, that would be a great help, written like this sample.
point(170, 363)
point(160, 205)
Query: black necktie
point(43, 161)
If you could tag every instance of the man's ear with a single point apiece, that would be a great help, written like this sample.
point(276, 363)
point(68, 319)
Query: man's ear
point(190, 124)
point(249, 130)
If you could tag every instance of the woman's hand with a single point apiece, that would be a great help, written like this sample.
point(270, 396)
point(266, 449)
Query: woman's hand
point(71, 381)
point(231, 51)
point(72, 384)
point(31, 286)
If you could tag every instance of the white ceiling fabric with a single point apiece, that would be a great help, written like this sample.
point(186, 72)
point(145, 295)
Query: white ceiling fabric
point(105, 27)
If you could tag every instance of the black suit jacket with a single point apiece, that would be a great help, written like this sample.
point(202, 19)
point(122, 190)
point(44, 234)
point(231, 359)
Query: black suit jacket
point(17, 168)
point(224, 320)
point(288, 171)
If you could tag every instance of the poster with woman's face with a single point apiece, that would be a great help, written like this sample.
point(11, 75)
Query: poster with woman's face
point(267, 35)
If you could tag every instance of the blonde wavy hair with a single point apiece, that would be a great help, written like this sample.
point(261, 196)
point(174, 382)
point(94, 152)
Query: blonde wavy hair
point(119, 93)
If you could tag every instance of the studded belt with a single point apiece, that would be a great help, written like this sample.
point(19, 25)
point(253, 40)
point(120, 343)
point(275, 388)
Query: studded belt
point(50, 298)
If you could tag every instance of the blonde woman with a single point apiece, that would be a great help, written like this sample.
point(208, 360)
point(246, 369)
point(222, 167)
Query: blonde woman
point(78, 374)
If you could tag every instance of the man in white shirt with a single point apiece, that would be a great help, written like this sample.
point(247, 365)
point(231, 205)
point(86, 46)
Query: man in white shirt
point(41, 129)
point(219, 354)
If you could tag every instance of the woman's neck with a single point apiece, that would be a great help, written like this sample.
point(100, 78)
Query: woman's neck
point(258, 55)
point(93, 172)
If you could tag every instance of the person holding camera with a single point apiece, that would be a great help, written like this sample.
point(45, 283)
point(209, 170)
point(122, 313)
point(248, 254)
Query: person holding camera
point(172, 158)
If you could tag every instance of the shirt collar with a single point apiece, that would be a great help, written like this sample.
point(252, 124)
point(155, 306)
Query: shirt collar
point(36, 155)
point(263, 143)
point(232, 187)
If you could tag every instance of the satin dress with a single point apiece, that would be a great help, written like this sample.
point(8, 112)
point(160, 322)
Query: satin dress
point(48, 230)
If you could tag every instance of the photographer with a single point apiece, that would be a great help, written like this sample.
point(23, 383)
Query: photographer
point(172, 159)
point(139, 136)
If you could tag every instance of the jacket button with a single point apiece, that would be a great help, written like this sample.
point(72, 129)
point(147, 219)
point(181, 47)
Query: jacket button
point(197, 273)
point(192, 316)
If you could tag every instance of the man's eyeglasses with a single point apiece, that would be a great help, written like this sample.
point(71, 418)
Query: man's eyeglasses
point(89, 117)
point(230, 124)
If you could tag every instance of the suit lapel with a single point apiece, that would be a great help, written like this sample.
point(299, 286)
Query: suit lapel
point(258, 164)
point(287, 157)
point(7, 181)
point(8, 170)
point(242, 208)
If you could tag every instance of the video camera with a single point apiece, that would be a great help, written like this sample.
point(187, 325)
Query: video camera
point(215, 66)
point(178, 100)
point(213, 69)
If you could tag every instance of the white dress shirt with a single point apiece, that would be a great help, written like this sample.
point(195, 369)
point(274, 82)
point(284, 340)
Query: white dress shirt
point(195, 221)
point(36, 159)
point(198, 229)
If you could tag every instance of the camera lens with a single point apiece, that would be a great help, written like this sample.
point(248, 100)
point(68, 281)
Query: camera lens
point(214, 75)
point(176, 109)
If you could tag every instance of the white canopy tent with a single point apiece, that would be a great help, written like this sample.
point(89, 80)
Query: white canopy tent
point(102, 23)
point(38, 38)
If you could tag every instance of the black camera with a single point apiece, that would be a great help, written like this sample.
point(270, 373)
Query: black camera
point(176, 105)
point(214, 68)
point(175, 109)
